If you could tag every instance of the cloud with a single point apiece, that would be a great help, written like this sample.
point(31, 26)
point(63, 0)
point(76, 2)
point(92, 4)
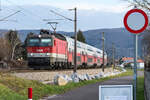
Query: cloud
point(114, 6)
point(117, 8)
point(104, 8)
point(90, 16)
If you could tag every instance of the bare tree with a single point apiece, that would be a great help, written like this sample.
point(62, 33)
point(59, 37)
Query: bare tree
point(146, 48)
point(5, 49)
point(13, 38)
point(142, 4)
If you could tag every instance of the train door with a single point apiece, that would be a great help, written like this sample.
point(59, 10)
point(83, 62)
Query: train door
point(95, 60)
point(83, 54)
point(73, 57)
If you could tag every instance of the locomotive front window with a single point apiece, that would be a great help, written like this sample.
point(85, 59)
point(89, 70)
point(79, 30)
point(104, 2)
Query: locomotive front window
point(46, 42)
point(33, 42)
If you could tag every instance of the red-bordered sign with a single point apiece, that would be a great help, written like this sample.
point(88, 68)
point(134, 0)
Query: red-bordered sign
point(135, 11)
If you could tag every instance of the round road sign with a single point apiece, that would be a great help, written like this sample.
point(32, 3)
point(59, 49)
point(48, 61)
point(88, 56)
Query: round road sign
point(136, 21)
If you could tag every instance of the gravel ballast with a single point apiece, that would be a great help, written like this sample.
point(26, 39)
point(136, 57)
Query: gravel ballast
point(49, 75)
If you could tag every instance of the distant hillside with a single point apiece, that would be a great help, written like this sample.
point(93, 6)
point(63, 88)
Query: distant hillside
point(122, 39)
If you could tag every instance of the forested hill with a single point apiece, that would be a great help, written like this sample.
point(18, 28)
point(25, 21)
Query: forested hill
point(122, 39)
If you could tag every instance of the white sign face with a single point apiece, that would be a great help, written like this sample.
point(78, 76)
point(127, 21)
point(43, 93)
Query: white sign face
point(116, 98)
point(136, 21)
point(115, 92)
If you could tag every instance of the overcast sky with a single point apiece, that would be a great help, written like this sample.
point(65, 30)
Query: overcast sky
point(92, 14)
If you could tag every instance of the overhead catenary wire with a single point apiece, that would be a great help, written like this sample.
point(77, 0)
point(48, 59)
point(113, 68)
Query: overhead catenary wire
point(10, 20)
point(25, 12)
point(63, 18)
point(61, 15)
point(3, 19)
point(28, 11)
point(52, 19)
point(36, 16)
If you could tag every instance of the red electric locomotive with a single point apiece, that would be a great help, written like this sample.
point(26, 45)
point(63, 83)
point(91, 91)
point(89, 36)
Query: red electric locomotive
point(54, 51)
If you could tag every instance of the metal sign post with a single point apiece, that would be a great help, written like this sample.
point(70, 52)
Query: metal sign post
point(135, 63)
point(135, 21)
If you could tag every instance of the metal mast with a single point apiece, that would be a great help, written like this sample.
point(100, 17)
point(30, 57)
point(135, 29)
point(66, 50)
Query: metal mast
point(75, 34)
point(103, 39)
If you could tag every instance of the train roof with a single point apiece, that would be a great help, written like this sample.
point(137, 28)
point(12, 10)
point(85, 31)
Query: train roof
point(38, 35)
point(83, 45)
point(59, 36)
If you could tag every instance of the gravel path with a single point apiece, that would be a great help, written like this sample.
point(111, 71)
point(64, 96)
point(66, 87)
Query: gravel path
point(49, 75)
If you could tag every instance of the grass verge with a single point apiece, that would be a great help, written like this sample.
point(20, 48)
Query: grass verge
point(140, 69)
point(13, 88)
point(140, 88)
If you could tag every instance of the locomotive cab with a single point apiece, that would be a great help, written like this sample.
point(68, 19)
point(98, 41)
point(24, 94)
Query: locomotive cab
point(39, 48)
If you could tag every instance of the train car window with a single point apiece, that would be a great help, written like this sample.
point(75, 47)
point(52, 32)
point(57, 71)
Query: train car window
point(94, 55)
point(85, 53)
point(78, 46)
point(98, 52)
point(90, 59)
point(98, 60)
point(69, 49)
point(82, 53)
point(90, 50)
point(72, 43)
point(78, 58)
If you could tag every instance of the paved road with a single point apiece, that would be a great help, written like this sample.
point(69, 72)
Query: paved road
point(90, 92)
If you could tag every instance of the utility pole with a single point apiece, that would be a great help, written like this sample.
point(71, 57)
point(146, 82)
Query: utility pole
point(75, 48)
point(113, 55)
point(75, 34)
point(103, 39)
point(75, 41)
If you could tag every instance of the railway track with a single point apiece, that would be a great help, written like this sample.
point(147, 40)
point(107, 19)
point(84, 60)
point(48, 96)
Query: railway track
point(27, 69)
point(44, 70)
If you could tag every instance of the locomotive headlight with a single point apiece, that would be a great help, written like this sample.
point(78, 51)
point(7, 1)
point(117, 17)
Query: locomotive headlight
point(39, 36)
point(48, 54)
point(31, 54)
